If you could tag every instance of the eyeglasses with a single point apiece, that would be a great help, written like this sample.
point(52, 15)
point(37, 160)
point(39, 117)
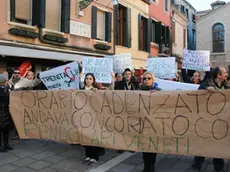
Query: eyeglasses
point(147, 78)
point(17, 73)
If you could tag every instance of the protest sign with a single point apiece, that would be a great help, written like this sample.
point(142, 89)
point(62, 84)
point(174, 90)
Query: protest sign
point(172, 85)
point(162, 67)
point(61, 78)
point(196, 60)
point(175, 122)
point(102, 68)
point(121, 62)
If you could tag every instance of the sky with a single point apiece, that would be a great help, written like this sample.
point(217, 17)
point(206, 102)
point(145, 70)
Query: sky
point(200, 5)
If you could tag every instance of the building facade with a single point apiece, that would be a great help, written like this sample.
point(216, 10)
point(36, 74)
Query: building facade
point(132, 30)
point(189, 11)
point(52, 32)
point(179, 33)
point(213, 35)
point(160, 14)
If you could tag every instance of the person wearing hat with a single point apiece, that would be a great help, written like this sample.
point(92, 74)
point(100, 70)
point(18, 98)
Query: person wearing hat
point(128, 82)
point(5, 117)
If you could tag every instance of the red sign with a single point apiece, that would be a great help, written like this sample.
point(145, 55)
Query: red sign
point(24, 68)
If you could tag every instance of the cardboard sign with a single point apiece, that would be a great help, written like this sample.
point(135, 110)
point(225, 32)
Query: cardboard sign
point(174, 122)
point(121, 62)
point(61, 78)
point(162, 67)
point(172, 85)
point(102, 68)
point(196, 60)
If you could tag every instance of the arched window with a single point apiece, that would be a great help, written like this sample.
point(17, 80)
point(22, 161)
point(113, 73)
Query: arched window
point(218, 40)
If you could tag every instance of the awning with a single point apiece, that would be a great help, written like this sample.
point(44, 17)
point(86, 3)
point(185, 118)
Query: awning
point(40, 54)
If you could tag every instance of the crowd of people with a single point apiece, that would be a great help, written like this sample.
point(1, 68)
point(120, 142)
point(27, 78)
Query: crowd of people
point(216, 78)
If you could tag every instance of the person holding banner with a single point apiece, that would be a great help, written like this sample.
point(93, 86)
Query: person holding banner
point(128, 82)
point(218, 82)
point(92, 153)
point(149, 84)
point(5, 118)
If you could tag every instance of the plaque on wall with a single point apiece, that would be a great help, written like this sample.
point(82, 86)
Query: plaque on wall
point(80, 29)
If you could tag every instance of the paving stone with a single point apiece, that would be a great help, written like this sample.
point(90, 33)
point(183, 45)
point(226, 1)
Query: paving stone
point(80, 167)
point(23, 162)
point(6, 158)
point(63, 164)
point(48, 170)
point(7, 168)
point(122, 168)
point(22, 153)
point(24, 169)
point(55, 159)
point(134, 161)
point(39, 165)
point(168, 162)
point(43, 155)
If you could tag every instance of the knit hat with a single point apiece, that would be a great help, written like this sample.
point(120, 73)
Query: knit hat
point(3, 79)
point(127, 69)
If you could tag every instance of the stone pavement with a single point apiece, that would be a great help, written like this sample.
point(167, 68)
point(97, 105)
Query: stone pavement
point(48, 156)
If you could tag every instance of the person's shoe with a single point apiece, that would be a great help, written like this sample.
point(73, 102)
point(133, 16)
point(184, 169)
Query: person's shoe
point(8, 147)
point(15, 138)
point(3, 149)
point(86, 160)
point(92, 161)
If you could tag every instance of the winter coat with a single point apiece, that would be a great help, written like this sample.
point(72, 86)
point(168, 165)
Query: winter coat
point(23, 83)
point(5, 117)
point(122, 85)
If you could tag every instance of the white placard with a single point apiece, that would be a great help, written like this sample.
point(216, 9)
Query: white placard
point(162, 67)
point(61, 78)
point(196, 60)
point(80, 29)
point(172, 85)
point(102, 68)
point(121, 62)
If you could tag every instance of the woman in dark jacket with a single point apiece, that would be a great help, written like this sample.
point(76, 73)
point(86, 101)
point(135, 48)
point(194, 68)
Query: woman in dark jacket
point(92, 153)
point(5, 118)
point(149, 84)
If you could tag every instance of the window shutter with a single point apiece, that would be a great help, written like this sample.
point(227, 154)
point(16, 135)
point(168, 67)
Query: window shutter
point(12, 10)
point(116, 24)
point(168, 36)
point(158, 33)
point(94, 22)
point(149, 34)
point(108, 26)
point(127, 33)
point(139, 32)
point(38, 14)
point(65, 16)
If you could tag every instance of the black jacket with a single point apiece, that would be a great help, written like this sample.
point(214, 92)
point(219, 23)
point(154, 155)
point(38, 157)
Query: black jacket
point(5, 117)
point(211, 83)
point(186, 79)
point(122, 85)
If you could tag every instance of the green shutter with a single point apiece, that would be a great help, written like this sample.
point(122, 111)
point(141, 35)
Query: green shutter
point(149, 34)
point(65, 16)
point(108, 26)
point(127, 32)
point(39, 13)
point(139, 32)
point(116, 24)
point(94, 22)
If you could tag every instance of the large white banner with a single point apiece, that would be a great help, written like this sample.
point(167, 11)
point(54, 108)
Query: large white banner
point(121, 62)
point(102, 68)
point(61, 78)
point(162, 67)
point(167, 85)
point(196, 60)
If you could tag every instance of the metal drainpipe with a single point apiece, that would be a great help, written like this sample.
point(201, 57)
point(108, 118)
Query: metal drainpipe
point(68, 46)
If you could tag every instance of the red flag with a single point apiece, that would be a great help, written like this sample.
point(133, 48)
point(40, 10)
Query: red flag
point(24, 68)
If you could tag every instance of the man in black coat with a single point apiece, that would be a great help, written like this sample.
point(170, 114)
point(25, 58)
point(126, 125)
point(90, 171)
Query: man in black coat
point(5, 117)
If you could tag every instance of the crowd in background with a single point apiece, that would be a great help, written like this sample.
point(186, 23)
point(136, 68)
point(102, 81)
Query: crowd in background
point(216, 78)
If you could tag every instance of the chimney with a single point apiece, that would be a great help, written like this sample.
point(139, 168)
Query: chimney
point(217, 4)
